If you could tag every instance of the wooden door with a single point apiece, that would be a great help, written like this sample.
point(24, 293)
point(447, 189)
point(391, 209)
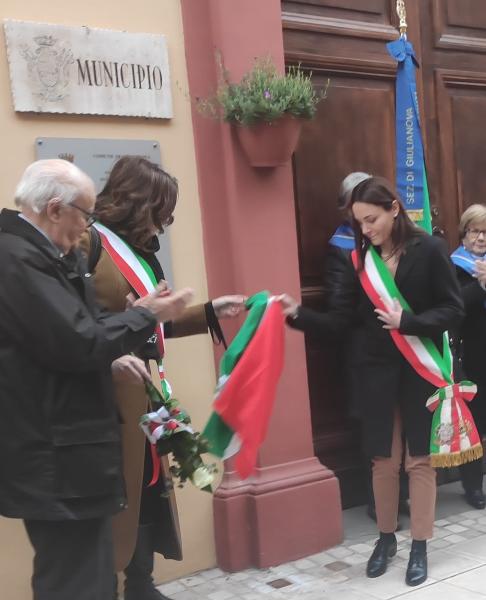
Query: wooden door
point(344, 41)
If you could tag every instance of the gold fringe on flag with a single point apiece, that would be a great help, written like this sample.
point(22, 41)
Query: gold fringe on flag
point(457, 458)
point(416, 215)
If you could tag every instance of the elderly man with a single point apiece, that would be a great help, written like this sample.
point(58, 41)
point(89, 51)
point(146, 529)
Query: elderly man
point(60, 454)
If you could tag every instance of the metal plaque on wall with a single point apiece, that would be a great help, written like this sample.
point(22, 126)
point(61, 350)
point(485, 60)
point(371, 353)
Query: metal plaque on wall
point(96, 157)
point(85, 70)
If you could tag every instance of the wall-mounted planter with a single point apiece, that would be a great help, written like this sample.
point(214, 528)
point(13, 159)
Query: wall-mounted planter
point(270, 144)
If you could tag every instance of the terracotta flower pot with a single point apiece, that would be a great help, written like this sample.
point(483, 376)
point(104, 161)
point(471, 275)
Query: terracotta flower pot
point(270, 144)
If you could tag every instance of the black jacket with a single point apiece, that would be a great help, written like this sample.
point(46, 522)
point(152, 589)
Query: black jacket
point(59, 437)
point(349, 352)
point(426, 278)
point(472, 333)
point(470, 341)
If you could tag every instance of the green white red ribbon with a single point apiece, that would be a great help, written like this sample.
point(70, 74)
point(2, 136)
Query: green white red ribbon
point(454, 437)
point(163, 423)
point(249, 372)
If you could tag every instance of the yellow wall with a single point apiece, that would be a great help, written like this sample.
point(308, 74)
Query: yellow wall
point(17, 135)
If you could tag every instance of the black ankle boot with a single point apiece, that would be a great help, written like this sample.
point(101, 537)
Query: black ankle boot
point(139, 584)
point(385, 548)
point(417, 564)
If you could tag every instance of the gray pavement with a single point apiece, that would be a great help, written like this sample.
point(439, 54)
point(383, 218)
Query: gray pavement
point(457, 565)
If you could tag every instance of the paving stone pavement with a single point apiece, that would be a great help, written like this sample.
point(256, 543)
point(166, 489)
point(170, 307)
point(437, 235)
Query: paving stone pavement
point(457, 565)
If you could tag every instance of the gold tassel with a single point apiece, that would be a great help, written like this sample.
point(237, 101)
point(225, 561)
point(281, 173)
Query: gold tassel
point(458, 458)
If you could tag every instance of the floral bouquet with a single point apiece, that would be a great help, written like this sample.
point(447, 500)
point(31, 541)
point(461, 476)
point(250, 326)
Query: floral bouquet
point(168, 428)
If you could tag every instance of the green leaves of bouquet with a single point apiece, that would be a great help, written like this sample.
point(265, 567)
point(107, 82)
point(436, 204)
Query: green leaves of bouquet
point(168, 426)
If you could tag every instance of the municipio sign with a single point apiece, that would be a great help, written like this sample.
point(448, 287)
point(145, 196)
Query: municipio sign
point(80, 70)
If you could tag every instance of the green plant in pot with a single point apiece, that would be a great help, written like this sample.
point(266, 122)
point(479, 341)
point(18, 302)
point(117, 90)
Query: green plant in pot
point(267, 109)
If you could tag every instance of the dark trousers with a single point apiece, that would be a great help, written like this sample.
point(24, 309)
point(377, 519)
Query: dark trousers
point(73, 559)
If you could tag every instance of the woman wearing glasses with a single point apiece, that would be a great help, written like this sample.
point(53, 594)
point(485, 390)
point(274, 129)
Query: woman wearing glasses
point(136, 204)
point(471, 339)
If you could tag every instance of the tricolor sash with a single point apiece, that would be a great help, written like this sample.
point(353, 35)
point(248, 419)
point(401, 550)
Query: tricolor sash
point(142, 280)
point(454, 437)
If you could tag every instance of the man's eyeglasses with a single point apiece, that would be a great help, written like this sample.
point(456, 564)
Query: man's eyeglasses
point(475, 233)
point(89, 217)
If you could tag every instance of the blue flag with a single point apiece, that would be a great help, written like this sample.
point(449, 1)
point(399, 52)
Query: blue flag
point(410, 176)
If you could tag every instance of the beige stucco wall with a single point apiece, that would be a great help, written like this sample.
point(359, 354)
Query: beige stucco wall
point(18, 132)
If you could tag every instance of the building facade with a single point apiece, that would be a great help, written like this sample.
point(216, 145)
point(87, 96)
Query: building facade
point(241, 229)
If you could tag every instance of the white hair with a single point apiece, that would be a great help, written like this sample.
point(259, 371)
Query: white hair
point(45, 180)
point(347, 186)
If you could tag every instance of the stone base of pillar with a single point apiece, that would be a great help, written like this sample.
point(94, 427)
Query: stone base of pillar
point(282, 513)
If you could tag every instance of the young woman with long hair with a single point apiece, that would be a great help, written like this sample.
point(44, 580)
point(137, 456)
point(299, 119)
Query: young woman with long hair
point(135, 205)
point(396, 422)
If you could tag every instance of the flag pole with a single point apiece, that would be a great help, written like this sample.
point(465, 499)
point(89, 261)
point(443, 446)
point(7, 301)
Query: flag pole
point(402, 15)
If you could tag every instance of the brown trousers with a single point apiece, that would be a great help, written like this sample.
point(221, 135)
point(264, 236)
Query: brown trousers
point(422, 485)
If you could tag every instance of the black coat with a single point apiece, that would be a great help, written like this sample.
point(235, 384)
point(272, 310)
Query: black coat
point(471, 342)
point(338, 263)
point(60, 452)
point(426, 278)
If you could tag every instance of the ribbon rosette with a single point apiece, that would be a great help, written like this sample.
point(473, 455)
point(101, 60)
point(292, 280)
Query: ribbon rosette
point(454, 437)
point(168, 429)
point(162, 423)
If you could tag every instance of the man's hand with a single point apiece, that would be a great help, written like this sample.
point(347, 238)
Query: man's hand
point(392, 316)
point(163, 304)
point(129, 369)
point(228, 306)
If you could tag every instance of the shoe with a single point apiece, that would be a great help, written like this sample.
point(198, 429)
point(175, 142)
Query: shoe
point(385, 549)
point(144, 593)
point(417, 568)
point(476, 499)
point(139, 584)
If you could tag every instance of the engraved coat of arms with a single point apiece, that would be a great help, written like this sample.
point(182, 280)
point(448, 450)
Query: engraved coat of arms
point(48, 64)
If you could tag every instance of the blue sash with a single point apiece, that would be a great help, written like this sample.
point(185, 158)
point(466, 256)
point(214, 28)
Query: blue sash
point(464, 259)
point(343, 237)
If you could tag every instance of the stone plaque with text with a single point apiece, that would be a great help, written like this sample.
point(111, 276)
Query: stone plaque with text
point(83, 70)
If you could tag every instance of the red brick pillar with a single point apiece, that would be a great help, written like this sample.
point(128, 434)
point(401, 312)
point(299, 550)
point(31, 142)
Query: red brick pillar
point(291, 507)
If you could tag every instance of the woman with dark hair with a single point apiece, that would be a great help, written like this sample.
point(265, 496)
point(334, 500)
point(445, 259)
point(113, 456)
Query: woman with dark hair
point(393, 394)
point(135, 205)
point(138, 201)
